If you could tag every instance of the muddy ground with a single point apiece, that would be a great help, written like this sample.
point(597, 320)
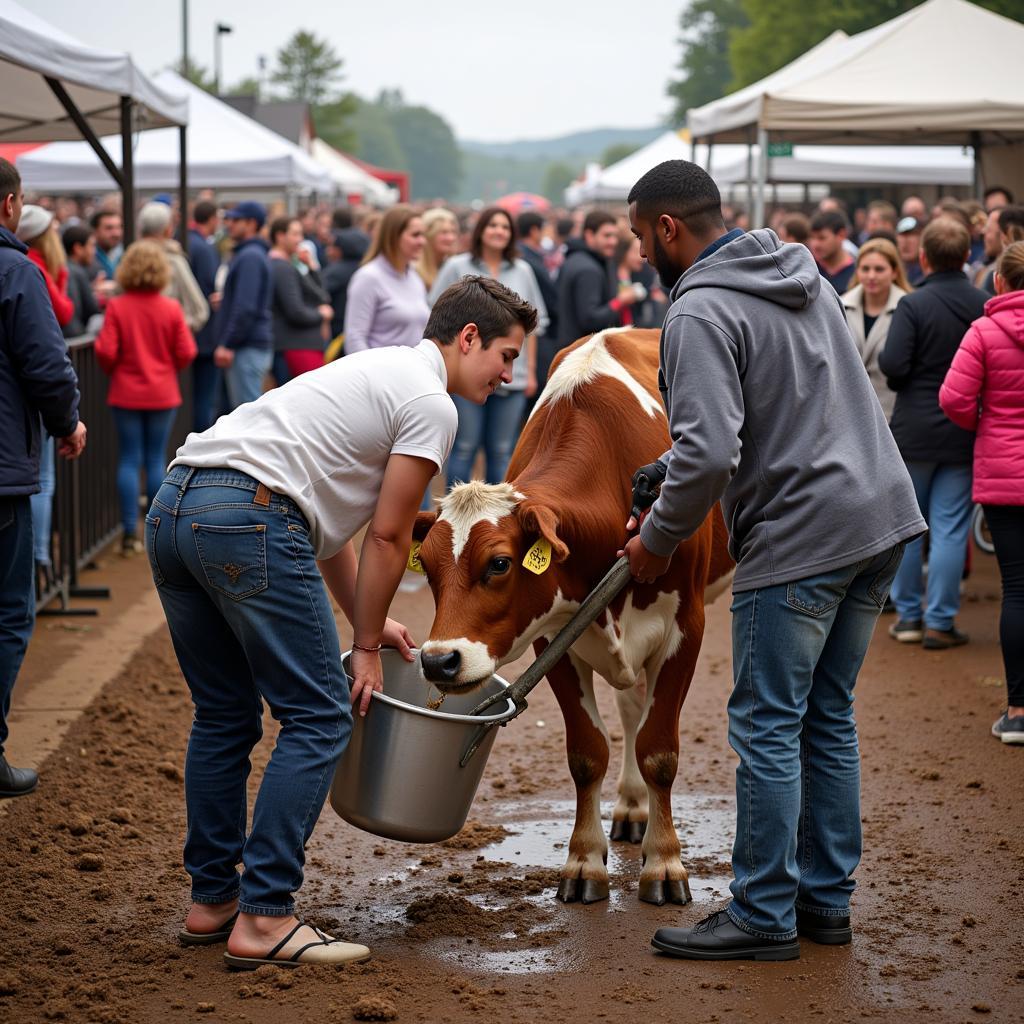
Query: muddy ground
point(94, 892)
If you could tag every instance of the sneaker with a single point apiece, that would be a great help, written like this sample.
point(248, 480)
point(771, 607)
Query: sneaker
point(130, 545)
point(942, 639)
point(907, 631)
point(1009, 730)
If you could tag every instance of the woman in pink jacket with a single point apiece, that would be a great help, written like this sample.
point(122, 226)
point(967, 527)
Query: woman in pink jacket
point(984, 391)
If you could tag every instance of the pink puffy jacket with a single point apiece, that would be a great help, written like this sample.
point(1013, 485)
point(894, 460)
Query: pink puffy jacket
point(984, 391)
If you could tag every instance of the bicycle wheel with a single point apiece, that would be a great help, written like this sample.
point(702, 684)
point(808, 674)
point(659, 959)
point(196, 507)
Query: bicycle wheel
point(980, 531)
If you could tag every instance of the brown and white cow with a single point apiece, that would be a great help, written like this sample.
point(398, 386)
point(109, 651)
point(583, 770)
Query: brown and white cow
point(599, 418)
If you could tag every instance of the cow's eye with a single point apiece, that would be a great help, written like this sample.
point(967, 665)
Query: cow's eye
point(499, 566)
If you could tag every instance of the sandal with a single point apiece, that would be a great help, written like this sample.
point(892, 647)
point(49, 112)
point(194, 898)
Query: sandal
point(326, 950)
point(187, 938)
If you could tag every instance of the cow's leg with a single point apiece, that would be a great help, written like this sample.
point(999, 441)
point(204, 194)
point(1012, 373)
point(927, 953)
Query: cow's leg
point(584, 876)
point(629, 819)
point(663, 877)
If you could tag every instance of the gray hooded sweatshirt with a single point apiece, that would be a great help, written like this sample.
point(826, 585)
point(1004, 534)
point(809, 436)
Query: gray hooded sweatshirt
point(771, 411)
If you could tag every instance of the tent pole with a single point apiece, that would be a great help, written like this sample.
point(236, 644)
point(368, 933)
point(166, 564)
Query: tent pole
point(85, 128)
point(711, 142)
point(750, 169)
point(979, 183)
point(693, 149)
point(762, 178)
point(128, 172)
point(183, 188)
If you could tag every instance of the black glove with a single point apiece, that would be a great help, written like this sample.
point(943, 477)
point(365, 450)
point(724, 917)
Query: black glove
point(647, 482)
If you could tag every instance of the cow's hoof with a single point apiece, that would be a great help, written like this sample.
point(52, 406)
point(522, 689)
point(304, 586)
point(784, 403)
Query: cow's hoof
point(628, 831)
point(660, 891)
point(583, 890)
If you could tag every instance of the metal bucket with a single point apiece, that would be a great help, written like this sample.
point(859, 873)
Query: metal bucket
point(399, 776)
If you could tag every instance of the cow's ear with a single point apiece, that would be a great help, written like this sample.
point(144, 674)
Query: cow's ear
point(539, 519)
point(424, 521)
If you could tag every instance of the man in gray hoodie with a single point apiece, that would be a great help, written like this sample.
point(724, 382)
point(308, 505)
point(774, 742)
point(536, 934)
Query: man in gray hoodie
point(771, 412)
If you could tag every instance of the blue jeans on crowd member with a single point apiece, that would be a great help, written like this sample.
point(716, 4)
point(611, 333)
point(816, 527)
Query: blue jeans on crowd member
point(244, 377)
point(250, 621)
point(493, 426)
point(206, 377)
point(279, 369)
point(17, 604)
point(797, 649)
point(42, 503)
point(944, 494)
point(141, 444)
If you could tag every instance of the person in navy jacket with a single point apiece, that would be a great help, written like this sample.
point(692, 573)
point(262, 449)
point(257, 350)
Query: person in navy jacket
point(204, 260)
point(36, 381)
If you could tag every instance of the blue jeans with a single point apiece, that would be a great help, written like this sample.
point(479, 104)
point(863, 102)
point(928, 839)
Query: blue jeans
point(250, 621)
point(206, 378)
point(493, 426)
point(42, 503)
point(141, 444)
point(279, 369)
point(17, 593)
point(944, 494)
point(244, 377)
point(797, 649)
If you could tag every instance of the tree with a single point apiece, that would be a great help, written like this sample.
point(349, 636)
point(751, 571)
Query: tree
point(308, 68)
point(197, 75)
point(706, 29)
point(558, 177)
point(249, 86)
point(431, 153)
point(334, 123)
point(781, 30)
point(376, 141)
point(616, 152)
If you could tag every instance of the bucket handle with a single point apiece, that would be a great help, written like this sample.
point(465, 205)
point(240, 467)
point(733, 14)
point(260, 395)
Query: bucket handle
point(481, 733)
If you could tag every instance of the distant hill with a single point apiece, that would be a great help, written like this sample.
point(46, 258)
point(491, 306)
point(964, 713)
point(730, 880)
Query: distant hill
point(579, 146)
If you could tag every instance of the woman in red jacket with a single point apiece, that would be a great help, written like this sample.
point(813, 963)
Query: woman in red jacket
point(143, 344)
point(984, 391)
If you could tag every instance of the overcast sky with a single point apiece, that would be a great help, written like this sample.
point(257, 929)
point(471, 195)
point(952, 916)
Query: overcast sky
point(494, 71)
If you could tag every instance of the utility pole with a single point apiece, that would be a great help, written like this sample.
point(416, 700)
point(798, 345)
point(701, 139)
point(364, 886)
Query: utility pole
point(220, 29)
point(184, 39)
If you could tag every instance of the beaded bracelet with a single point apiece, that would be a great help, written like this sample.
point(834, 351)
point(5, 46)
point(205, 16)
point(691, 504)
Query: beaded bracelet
point(366, 650)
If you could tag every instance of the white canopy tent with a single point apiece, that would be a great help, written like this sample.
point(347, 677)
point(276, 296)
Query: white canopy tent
point(351, 178)
point(226, 150)
point(54, 87)
point(946, 72)
point(728, 165)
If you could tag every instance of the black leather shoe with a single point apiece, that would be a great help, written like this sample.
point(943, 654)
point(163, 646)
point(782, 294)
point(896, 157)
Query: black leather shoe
point(717, 938)
point(823, 929)
point(16, 781)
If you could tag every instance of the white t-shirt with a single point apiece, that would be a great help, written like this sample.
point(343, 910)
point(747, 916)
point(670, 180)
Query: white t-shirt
point(325, 437)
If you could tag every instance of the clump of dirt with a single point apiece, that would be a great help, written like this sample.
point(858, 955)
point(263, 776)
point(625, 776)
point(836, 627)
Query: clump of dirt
point(533, 883)
point(474, 835)
point(449, 915)
point(374, 1008)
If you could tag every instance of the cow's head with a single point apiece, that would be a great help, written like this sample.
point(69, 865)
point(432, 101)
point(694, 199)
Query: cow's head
point(490, 604)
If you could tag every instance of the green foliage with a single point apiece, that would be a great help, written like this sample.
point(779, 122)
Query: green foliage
point(557, 179)
point(246, 87)
point(706, 30)
point(335, 123)
point(780, 30)
point(197, 75)
point(616, 152)
point(307, 69)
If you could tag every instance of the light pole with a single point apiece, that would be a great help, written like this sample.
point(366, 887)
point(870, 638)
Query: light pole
point(220, 29)
point(184, 38)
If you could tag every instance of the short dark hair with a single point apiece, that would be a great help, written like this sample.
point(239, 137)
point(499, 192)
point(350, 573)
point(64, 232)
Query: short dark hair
point(563, 227)
point(341, 218)
point(279, 225)
point(993, 189)
point(476, 244)
point(97, 218)
point(204, 211)
point(527, 221)
point(10, 180)
point(829, 220)
point(885, 208)
point(596, 219)
point(481, 301)
point(946, 243)
point(75, 234)
point(684, 191)
point(1011, 222)
point(797, 227)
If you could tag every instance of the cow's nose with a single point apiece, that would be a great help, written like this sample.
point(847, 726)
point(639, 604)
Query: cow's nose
point(441, 668)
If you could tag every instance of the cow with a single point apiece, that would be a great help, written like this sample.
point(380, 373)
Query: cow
point(509, 564)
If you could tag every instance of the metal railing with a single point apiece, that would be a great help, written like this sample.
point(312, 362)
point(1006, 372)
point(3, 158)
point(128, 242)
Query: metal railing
point(86, 511)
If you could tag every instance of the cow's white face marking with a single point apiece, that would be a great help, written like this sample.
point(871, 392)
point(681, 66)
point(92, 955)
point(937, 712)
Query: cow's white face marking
point(465, 505)
point(476, 665)
point(590, 361)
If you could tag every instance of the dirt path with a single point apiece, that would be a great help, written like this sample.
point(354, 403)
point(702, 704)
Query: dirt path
point(94, 891)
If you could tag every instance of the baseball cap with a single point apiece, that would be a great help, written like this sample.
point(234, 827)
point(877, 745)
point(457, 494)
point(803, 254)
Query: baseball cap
point(248, 209)
point(908, 224)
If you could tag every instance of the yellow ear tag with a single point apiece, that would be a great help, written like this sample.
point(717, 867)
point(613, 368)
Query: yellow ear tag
point(538, 558)
point(414, 564)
